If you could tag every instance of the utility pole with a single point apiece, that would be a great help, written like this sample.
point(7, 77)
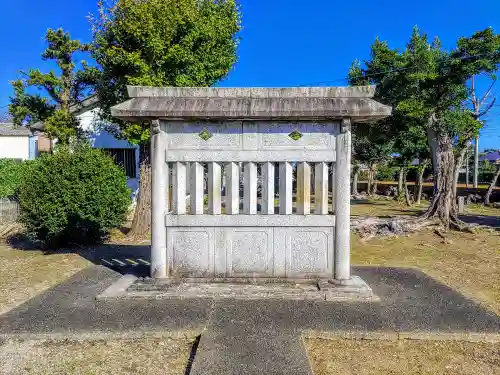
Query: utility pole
point(478, 112)
point(467, 157)
point(476, 162)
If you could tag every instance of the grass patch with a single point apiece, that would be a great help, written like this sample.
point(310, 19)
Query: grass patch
point(391, 207)
point(26, 273)
point(409, 357)
point(149, 356)
point(469, 263)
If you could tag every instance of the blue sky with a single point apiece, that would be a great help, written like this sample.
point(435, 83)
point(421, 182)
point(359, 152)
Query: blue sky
point(284, 43)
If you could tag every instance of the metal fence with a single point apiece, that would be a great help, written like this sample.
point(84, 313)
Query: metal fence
point(9, 210)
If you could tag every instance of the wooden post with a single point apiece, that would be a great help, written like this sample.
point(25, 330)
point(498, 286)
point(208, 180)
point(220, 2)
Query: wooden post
point(461, 205)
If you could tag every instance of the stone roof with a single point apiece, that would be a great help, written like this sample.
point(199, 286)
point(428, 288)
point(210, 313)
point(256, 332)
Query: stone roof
point(10, 130)
point(297, 103)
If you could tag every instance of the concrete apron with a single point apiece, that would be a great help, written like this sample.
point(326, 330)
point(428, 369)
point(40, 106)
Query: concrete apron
point(132, 287)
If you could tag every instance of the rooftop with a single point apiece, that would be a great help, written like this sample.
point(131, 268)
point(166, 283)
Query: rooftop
point(11, 130)
point(293, 103)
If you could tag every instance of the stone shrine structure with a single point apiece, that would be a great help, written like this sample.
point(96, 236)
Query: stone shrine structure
point(272, 229)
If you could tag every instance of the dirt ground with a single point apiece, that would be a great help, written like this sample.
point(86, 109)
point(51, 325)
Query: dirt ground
point(408, 357)
point(469, 263)
point(26, 273)
point(151, 356)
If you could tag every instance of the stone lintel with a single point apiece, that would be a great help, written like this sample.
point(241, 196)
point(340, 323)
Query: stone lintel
point(252, 92)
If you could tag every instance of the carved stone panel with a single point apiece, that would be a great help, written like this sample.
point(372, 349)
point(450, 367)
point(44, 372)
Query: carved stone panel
point(191, 252)
point(293, 136)
point(309, 252)
point(204, 136)
point(250, 251)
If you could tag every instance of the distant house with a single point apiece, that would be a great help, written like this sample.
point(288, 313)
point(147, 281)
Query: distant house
point(17, 143)
point(125, 154)
point(492, 157)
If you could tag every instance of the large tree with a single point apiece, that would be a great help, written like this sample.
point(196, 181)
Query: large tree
point(159, 43)
point(372, 146)
point(428, 82)
point(59, 90)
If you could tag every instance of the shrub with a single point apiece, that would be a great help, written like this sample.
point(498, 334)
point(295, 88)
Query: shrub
point(387, 173)
point(11, 175)
point(73, 197)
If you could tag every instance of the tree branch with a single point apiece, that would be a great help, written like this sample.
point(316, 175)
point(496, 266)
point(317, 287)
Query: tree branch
point(488, 92)
point(492, 103)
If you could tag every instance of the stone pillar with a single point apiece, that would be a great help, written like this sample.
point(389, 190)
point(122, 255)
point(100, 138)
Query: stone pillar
point(159, 202)
point(342, 261)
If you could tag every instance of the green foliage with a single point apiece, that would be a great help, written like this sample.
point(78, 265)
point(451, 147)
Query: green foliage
point(427, 83)
point(372, 143)
point(11, 176)
point(161, 43)
point(62, 90)
point(74, 196)
point(386, 172)
point(487, 167)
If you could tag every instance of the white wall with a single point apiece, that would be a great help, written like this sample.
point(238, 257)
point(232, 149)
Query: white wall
point(100, 138)
point(15, 147)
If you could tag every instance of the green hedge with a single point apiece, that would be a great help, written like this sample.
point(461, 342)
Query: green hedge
point(11, 176)
point(73, 197)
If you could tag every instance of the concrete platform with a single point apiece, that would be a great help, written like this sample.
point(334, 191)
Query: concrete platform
point(267, 331)
point(131, 287)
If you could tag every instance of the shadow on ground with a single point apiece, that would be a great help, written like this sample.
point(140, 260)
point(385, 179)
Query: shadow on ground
point(121, 257)
point(488, 221)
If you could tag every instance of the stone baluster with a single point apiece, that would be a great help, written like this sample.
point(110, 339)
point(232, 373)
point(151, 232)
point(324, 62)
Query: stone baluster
point(321, 188)
point(303, 189)
point(232, 198)
point(334, 187)
point(267, 189)
point(214, 188)
point(285, 190)
point(250, 188)
point(196, 183)
point(179, 188)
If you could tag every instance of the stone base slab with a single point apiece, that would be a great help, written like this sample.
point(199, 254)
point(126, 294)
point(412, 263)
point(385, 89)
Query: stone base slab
point(131, 287)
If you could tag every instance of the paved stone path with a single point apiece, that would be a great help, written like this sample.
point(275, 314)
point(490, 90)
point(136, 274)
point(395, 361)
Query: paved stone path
point(257, 336)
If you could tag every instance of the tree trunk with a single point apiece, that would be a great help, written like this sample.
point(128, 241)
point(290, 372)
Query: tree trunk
point(467, 168)
point(400, 181)
point(355, 177)
point(443, 204)
point(458, 164)
point(405, 187)
point(141, 224)
point(369, 182)
point(492, 186)
point(372, 189)
point(420, 182)
point(375, 185)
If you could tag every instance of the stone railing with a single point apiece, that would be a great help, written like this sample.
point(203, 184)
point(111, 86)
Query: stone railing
point(216, 135)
